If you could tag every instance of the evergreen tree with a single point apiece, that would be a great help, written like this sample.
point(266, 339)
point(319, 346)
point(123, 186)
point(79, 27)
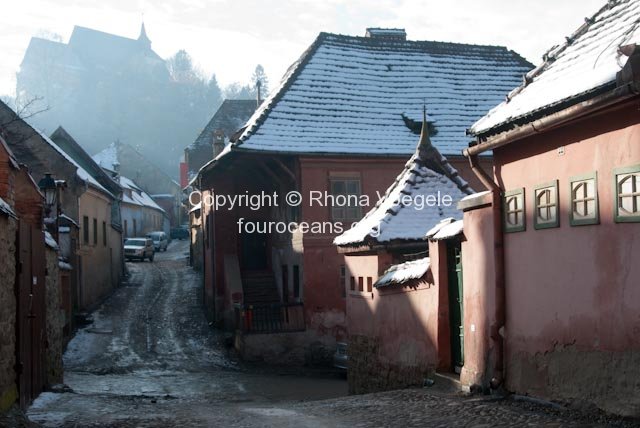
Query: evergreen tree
point(260, 79)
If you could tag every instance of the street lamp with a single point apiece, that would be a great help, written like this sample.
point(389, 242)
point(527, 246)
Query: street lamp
point(48, 186)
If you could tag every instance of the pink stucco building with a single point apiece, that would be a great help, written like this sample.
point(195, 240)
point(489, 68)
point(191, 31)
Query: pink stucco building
point(550, 256)
point(403, 280)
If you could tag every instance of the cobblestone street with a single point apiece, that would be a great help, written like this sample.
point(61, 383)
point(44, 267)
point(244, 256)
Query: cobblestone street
point(150, 360)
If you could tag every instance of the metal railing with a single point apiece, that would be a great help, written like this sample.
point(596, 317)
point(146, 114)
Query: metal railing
point(270, 318)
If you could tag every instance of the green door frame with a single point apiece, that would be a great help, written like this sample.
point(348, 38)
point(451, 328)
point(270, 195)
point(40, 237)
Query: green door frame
point(456, 314)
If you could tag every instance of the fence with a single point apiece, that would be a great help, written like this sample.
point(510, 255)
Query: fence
point(270, 318)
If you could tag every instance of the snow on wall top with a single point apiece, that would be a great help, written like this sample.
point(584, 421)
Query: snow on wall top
point(448, 231)
point(348, 94)
point(138, 196)
point(50, 241)
point(404, 272)
point(587, 61)
point(6, 209)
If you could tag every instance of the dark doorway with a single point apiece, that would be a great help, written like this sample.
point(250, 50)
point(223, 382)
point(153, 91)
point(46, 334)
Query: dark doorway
point(254, 251)
point(454, 267)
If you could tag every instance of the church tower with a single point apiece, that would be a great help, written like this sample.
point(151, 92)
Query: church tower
point(143, 39)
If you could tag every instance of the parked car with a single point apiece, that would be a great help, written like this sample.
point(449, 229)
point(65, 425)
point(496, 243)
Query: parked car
point(180, 232)
point(160, 241)
point(340, 358)
point(138, 248)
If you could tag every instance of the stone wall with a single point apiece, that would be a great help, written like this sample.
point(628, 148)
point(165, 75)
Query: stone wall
point(55, 320)
point(369, 371)
point(305, 348)
point(8, 391)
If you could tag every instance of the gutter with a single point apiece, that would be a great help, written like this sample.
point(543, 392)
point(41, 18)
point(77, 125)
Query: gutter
point(574, 112)
point(627, 86)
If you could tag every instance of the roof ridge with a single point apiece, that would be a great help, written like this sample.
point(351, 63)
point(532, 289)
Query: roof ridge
point(382, 41)
point(551, 54)
point(289, 77)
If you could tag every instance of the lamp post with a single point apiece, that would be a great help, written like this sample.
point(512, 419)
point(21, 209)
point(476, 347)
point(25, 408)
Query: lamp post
point(50, 189)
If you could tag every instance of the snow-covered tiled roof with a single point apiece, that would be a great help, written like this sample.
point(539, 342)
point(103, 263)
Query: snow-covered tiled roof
point(137, 195)
point(364, 95)
point(81, 172)
point(586, 62)
point(413, 203)
point(404, 272)
point(107, 158)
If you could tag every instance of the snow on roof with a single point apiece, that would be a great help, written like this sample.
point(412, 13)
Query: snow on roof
point(405, 212)
point(69, 219)
point(138, 196)
point(404, 272)
point(439, 226)
point(6, 209)
point(81, 172)
point(64, 265)
point(359, 95)
point(107, 158)
point(448, 231)
point(587, 61)
point(48, 239)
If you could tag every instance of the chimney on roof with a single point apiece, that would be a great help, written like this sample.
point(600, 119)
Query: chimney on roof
point(218, 142)
point(395, 34)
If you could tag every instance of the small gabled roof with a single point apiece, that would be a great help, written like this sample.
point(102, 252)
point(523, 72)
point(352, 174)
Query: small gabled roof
point(403, 213)
point(230, 117)
point(73, 149)
point(585, 65)
point(364, 95)
point(138, 196)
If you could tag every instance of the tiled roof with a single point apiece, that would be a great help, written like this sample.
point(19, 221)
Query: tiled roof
point(404, 213)
point(360, 95)
point(586, 62)
point(138, 196)
point(229, 117)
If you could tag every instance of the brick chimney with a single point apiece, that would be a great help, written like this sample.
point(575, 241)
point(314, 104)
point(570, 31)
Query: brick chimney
point(218, 142)
point(394, 34)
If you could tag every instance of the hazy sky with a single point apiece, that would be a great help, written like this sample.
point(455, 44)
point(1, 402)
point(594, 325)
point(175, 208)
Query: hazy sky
point(229, 37)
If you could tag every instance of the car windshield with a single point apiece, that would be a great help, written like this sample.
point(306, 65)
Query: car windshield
point(135, 242)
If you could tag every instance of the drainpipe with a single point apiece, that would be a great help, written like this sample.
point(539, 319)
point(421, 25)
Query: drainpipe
point(497, 328)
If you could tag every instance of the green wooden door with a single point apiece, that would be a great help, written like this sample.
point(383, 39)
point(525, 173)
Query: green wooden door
point(454, 263)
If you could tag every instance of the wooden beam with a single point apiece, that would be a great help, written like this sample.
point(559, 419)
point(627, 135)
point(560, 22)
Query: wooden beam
point(286, 169)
